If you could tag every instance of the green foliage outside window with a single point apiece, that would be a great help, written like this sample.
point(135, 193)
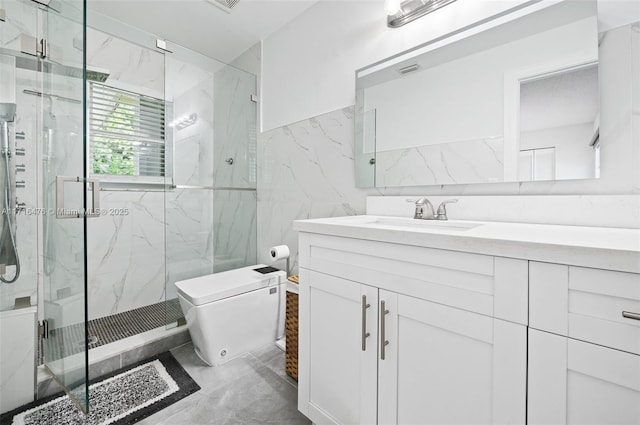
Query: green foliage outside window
point(112, 155)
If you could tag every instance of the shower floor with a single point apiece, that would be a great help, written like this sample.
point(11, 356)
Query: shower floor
point(68, 340)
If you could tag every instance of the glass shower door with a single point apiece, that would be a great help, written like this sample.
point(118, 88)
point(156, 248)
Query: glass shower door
point(65, 197)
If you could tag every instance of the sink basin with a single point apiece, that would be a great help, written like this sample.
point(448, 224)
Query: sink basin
point(424, 224)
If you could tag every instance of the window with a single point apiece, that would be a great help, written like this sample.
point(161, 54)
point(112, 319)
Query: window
point(127, 136)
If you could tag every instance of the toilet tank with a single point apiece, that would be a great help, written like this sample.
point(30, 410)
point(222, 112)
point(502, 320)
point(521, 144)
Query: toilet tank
point(233, 312)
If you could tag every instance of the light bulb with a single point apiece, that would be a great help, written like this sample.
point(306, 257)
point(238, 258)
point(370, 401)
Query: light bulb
point(392, 6)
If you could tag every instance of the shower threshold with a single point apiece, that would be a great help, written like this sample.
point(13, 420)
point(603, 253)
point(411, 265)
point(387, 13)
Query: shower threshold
point(109, 329)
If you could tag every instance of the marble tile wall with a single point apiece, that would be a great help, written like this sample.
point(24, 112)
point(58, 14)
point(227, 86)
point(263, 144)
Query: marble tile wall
point(235, 129)
point(469, 161)
point(21, 19)
point(126, 253)
point(251, 62)
point(26, 223)
point(305, 170)
point(17, 355)
point(234, 227)
point(193, 147)
point(130, 66)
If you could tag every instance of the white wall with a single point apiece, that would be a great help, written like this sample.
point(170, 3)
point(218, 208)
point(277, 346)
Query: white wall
point(309, 65)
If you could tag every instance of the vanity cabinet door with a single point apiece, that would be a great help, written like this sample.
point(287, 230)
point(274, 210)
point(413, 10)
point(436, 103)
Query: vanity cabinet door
point(576, 382)
point(337, 369)
point(445, 365)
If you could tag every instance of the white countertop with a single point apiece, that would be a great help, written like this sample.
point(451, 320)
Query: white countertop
point(598, 247)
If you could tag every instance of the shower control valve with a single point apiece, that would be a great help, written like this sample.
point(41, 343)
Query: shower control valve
point(21, 168)
point(21, 184)
point(21, 206)
point(20, 152)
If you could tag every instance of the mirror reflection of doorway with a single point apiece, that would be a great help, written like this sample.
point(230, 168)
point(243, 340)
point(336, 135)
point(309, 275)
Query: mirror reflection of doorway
point(559, 110)
point(537, 164)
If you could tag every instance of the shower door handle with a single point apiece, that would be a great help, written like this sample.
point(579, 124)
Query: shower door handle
point(62, 212)
point(95, 198)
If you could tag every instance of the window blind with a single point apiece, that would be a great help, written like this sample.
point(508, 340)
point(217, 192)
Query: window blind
point(127, 133)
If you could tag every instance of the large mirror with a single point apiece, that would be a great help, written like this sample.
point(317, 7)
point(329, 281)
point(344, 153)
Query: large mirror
point(515, 99)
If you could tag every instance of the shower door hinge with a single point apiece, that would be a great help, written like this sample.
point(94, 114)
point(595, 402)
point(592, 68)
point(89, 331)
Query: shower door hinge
point(43, 329)
point(41, 48)
point(162, 45)
point(254, 98)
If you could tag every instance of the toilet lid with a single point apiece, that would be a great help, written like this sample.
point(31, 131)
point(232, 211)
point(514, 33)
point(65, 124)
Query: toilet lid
point(213, 287)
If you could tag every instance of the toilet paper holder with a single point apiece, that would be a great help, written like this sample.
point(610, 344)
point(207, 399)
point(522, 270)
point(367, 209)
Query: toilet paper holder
point(280, 252)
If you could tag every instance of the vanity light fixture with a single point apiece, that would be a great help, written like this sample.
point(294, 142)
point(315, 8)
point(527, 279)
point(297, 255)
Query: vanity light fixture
point(402, 12)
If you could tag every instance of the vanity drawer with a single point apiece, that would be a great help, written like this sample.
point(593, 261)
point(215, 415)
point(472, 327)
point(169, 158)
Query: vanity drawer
point(594, 305)
point(493, 286)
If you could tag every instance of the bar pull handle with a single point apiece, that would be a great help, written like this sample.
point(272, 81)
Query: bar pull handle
point(383, 337)
point(95, 198)
point(365, 334)
point(630, 315)
point(61, 212)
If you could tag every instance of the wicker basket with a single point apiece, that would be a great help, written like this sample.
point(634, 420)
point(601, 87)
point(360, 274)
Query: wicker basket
point(291, 332)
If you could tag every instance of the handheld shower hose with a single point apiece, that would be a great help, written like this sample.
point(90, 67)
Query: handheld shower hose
point(8, 196)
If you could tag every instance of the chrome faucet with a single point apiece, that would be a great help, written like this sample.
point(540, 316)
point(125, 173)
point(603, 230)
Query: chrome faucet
point(425, 211)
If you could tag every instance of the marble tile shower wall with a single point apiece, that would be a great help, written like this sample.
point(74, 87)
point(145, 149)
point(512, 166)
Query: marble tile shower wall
point(26, 224)
point(21, 19)
point(206, 231)
point(126, 253)
point(235, 130)
point(63, 118)
point(189, 212)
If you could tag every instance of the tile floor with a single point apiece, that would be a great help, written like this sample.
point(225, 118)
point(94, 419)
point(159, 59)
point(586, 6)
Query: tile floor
point(252, 389)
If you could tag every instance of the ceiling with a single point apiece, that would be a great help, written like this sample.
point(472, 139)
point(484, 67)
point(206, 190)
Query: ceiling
point(203, 27)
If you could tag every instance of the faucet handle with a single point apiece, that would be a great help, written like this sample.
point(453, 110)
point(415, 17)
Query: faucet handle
point(442, 209)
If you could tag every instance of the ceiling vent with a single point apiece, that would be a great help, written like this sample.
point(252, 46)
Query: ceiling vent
point(225, 5)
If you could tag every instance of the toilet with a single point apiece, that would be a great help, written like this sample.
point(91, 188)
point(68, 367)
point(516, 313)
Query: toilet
point(233, 312)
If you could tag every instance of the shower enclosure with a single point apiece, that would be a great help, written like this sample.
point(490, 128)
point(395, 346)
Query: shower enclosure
point(125, 167)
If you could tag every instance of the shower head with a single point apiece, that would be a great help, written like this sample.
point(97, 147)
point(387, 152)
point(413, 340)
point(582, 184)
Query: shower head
point(97, 76)
point(29, 62)
point(93, 74)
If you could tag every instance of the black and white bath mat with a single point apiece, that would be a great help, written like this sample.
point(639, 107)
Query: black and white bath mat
point(120, 398)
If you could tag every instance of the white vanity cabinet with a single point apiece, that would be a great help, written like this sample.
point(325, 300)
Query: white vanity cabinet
point(446, 365)
point(584, 346)
point(336, 368)
point(398, 334)
point(576, 382)
point(458, 330)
